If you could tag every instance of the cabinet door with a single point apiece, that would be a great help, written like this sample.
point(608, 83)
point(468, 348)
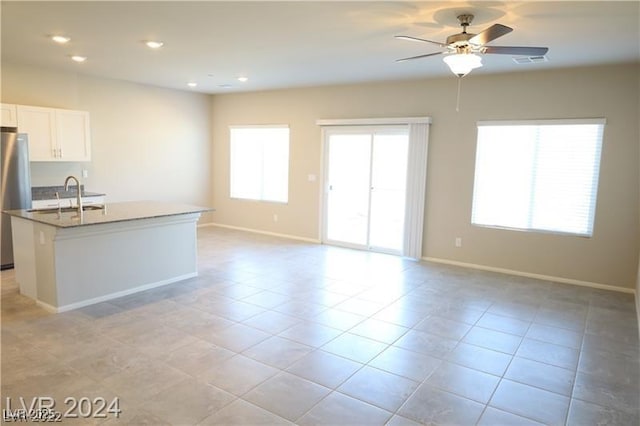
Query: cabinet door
point(73, 135)
point(8, 115)
point(39, 124)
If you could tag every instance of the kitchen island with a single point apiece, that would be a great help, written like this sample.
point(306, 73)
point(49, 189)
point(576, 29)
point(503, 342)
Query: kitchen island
point(65, 261)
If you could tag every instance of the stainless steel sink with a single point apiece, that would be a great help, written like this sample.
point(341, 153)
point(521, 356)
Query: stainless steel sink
point(66, 209)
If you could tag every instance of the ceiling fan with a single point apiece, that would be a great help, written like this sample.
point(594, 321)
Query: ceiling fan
point(462, 49)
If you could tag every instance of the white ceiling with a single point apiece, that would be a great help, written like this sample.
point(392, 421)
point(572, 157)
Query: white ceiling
point(302, 43)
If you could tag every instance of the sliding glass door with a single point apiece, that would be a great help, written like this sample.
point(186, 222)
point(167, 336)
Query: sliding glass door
point(347, 207)
point(388, 191)
point(365, 183)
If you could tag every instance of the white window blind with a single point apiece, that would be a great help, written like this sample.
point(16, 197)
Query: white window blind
point(538, 175)
point(259, 166)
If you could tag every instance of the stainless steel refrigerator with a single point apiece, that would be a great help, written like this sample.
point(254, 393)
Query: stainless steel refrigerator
point(15, 181)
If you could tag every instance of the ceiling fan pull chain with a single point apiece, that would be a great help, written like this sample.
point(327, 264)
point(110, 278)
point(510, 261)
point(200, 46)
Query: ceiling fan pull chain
point(458, 96)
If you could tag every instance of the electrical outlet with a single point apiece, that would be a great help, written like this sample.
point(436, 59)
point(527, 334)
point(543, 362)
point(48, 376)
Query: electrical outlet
point(458, 242)
point(85, 173)
point(275, 217)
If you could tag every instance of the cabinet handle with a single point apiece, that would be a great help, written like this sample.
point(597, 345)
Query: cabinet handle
point(61, 153)
point(55, 152)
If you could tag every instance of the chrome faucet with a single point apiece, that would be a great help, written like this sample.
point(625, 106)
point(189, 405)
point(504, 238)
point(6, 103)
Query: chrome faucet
point(79, 198)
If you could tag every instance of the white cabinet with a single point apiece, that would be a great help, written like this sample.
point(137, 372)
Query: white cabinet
point(73, 135)
point(46, 204)
point(55, 134)
point(39, 124)
point(66, 202)
point(8, 115)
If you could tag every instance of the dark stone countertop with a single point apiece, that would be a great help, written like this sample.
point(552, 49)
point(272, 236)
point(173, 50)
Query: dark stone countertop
point(49, 192)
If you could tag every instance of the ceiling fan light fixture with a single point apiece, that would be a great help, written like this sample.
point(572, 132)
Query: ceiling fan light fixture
point(461, 64)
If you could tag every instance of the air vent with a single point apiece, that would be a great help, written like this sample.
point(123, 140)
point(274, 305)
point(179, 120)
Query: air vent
point(529, 59)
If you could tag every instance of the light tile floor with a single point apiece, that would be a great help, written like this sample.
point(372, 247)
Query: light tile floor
point(275, 331)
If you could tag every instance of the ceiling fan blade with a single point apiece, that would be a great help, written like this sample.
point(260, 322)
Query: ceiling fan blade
point(490, 34)
point(419, 56)
point(516, 50)
point(401, 37)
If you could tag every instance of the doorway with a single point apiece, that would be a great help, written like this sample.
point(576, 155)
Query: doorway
point(365, 187)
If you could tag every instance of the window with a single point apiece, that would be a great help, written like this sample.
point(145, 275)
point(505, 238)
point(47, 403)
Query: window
point(260, 163)
point(538, 175)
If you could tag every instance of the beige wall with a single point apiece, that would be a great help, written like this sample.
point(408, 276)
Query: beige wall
point(147, 142)
point(153, 143)
point(610, 257)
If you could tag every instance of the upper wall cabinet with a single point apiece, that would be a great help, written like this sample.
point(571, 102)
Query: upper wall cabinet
point(55, 134)
point(8, 115)
point(39, 124)
point(73, 135)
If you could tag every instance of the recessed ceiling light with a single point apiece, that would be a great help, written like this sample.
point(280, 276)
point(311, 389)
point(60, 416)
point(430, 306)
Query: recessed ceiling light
point(78, 58)
point(154, 44)
point(225, 86)
point(60, 39)
point(243, 79)
point(192, 84)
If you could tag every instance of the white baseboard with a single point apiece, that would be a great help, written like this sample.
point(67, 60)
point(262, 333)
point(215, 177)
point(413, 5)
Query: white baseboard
point(106, 297)
point(258, 231)
point(531, 275)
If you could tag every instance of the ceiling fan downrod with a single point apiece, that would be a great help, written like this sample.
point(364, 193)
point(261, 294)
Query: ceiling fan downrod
point(461, 40)
point(465, 21)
